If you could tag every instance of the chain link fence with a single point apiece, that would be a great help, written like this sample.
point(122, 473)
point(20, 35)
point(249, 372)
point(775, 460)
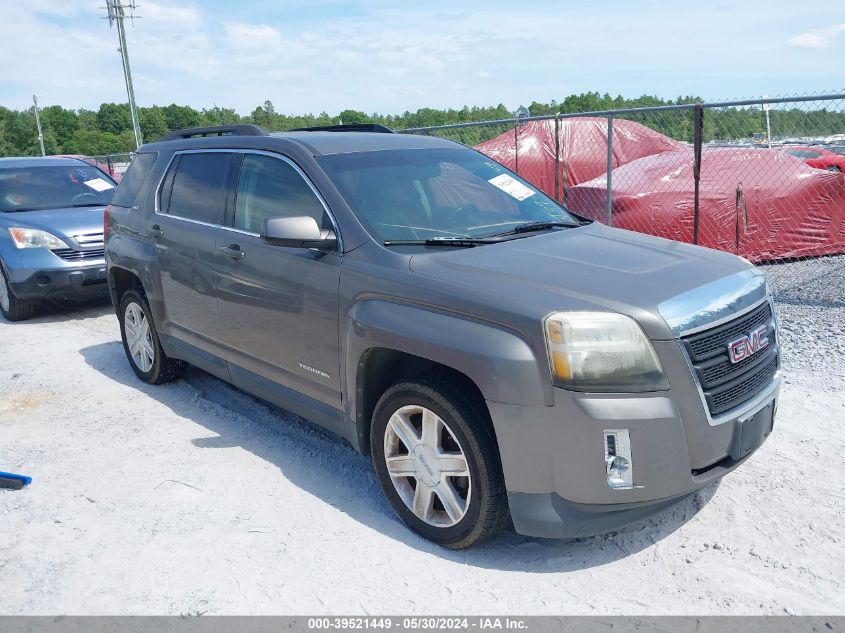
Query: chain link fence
point(113, 164)
point(758, 178)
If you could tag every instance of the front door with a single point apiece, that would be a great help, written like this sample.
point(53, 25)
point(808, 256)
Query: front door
point(278, 305)
point(191, 209)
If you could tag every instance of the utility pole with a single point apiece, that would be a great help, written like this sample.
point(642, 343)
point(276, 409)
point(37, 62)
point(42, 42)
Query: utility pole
point(117, 15)
point(38, 125)
point(766, 108)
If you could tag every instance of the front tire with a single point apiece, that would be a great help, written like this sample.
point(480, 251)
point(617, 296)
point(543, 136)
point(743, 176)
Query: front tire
point(12, 308)
point(141, 343)
point(436, 461)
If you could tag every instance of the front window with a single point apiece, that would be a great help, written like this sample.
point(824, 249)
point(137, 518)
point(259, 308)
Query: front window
point(430, 193)
point(54, 187)
point(268, 188)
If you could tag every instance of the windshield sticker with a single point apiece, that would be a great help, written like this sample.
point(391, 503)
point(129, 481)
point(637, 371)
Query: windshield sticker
point(511, 186)
point(98, 184)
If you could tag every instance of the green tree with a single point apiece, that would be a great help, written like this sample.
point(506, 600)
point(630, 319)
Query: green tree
point(265, 116)
point(351, 117)
point(60, 122)
point(114, 118)
point(153, 123)
point(180, 117)
point(93, 142)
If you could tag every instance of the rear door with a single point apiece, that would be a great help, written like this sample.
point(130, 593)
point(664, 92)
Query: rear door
point(279, 305)
point(192, 203)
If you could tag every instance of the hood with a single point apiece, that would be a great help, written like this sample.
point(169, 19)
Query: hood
point(60, 222)
point(588, 268)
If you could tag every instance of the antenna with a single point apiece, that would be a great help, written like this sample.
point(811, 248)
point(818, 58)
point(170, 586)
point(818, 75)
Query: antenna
point(38, 125)
point(116, 14)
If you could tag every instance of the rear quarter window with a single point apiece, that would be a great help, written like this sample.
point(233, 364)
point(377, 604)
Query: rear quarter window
point(133, 180)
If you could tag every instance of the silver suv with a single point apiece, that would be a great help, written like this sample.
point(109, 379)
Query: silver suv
point(503, 361)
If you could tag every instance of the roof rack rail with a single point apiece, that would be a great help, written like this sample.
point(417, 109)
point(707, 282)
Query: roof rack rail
point(215, 130)
point(350, 127)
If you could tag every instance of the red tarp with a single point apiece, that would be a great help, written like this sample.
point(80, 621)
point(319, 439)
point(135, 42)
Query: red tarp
point(761, 204)
point(583, 149)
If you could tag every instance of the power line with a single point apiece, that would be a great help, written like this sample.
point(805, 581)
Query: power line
point(116, 15)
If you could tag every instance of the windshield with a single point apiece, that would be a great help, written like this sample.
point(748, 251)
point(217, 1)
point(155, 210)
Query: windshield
point(427, 193)
point(46, 187)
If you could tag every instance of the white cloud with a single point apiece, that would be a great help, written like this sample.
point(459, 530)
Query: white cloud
point(819, 38)
point(252, 37)
point(808, 40)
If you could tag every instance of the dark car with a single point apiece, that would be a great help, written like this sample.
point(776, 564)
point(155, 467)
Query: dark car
point(502, 360)
point(51, 231)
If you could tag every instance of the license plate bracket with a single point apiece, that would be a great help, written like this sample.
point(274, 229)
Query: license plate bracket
point(751, 431)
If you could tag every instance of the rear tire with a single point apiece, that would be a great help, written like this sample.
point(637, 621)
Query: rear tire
point(437, 463)
point(141, 343)
point(12, 308)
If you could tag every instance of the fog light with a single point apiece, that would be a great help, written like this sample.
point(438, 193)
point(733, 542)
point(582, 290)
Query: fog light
point(617, 459)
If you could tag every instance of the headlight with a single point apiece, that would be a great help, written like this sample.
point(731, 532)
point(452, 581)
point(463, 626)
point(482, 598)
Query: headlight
point(601, 351)
point(33, 238)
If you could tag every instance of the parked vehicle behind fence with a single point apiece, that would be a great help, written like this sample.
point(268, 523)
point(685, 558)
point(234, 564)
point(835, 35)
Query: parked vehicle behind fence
point(51, 231)
point(818, 157)
point(502, 360)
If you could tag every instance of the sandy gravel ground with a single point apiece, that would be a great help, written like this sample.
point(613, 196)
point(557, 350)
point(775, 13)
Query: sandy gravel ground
point(194, 498)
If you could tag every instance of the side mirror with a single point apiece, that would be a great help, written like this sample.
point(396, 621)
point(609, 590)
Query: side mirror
point(298, 232)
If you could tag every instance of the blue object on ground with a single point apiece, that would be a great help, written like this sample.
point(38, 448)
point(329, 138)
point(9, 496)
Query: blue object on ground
point(13, 481)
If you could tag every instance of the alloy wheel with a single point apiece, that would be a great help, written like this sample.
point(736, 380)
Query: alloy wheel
point(427, 466)
point(139, 339)
point(5, 302)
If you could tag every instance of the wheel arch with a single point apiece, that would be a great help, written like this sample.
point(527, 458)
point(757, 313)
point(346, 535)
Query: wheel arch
point(386, 342)
point(120, 280)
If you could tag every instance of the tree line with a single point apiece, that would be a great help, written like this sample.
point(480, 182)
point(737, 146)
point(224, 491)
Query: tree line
point(108, 129)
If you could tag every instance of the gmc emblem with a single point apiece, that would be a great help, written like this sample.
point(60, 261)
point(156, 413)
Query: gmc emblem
point(748, 345)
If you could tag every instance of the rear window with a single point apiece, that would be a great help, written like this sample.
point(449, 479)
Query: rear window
point(199, 187)
point(803, 153)
point(134, 179)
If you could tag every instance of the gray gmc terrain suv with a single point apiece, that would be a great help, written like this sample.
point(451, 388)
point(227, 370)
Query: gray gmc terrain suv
point(501, 359)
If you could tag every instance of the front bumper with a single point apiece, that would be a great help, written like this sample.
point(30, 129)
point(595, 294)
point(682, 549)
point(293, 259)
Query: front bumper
point(59, 283)
point(553, 457)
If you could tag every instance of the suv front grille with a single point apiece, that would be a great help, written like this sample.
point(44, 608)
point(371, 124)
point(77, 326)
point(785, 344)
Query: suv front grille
point(726, 385)
point(70, 255)
point(90, 247)
point(715, 340)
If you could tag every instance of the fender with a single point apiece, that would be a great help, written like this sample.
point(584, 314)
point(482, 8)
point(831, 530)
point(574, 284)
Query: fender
point(132, 254)
point(498, 361)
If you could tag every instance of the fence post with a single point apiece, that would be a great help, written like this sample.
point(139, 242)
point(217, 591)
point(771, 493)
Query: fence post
point(609, 186)
point(557, 158)
point(698, 131)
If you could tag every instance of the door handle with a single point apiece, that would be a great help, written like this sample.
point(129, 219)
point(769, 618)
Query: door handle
point(233, 250)
point(155, 230)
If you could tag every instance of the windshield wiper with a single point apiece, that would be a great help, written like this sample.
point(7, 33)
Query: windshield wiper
point(455, 242)
point(529, 227)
